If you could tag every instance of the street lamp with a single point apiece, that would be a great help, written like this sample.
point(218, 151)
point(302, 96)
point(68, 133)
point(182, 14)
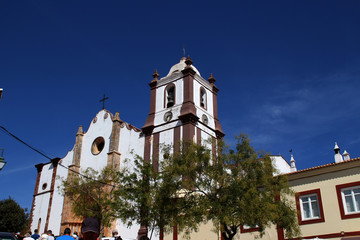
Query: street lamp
point(2, 162)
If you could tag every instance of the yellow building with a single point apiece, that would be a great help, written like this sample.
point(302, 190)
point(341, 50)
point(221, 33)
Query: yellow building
point(327, 200)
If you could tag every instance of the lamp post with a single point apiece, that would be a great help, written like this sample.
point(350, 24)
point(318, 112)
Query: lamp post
point(2, 162)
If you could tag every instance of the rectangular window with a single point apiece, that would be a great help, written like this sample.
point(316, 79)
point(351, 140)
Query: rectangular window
point(309, 206)
point(349, 199)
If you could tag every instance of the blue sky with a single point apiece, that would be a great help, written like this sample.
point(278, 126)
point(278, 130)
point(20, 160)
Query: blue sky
point(288, 72)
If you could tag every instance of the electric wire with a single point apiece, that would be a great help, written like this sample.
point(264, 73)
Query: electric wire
point(44, 155)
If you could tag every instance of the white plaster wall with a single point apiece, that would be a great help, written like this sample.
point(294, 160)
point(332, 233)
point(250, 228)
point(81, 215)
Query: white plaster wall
point(209, 97)
point(166, 138)
point(206, 139)
point(40, 211)
point(58, 198)
point(206, 129)
point(130, 143)
point(45, 178)
point(281, 165)
point(101, 128)
point(159, 116)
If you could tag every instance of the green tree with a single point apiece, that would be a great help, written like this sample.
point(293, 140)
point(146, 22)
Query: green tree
point(232, 189)
point(143, 197)
point(91, 194)
point(13, 218)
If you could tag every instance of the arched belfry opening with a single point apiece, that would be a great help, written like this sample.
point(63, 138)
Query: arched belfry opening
point(170, 96)
point(202, 97)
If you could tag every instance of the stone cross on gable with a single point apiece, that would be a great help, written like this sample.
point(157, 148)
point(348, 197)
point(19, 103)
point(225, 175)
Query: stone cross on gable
point(103, 101)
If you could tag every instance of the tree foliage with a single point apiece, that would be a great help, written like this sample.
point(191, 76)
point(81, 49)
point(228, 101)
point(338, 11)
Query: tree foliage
point(13, 218)
point(91, 194)
point(145, 197)
point(233, 189)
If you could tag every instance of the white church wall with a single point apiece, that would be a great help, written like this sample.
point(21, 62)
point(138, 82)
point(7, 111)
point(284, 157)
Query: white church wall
point(130, 143)
point(58, 198)
point(101, 128)
point(45, 178)
point(40, 212)
point(205, 130)
point(127, 233)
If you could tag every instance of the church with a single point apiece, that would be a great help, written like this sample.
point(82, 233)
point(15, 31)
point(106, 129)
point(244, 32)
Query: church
point(183, 106)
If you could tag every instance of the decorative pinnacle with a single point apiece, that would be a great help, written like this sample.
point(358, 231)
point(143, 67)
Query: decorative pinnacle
point(80, 130)
point(155, 75)
point(211, 79)
point(188, 61)
point(116, 117)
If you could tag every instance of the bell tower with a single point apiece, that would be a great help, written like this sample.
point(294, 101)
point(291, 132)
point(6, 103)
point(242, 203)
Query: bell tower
point(183, 106)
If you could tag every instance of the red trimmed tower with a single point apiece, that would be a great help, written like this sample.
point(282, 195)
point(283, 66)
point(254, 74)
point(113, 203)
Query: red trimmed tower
point(183, 106)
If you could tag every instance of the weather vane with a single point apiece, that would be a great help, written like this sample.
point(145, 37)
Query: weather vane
point(103, 101)
point(184, 50)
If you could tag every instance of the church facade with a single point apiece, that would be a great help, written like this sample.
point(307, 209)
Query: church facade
point(183, 106)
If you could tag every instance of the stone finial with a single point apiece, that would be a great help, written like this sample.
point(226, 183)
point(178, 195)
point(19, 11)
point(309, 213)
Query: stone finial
point(211, 79)
point(116, 117)
point(80, 131)
point(188, 62)
point(292, 164)
point(155, 75)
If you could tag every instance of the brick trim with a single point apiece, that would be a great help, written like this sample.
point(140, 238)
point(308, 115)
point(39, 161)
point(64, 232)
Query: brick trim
point(147, 148)
point(155, 152)
point(198, 136)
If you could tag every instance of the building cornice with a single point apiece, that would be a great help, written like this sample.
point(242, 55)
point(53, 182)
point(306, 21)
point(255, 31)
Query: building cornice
point(324, 169)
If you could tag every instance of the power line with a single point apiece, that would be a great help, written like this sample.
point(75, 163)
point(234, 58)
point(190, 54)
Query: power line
point(44, 155)
point(12, 135)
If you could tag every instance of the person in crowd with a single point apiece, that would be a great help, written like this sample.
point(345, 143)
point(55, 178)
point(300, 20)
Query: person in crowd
point(90, 229)
point(35, 236)
point(75, 236)
point(50, 235)
point(115, 235)
point(44, 236)
point(28, 236)
point(66, 235)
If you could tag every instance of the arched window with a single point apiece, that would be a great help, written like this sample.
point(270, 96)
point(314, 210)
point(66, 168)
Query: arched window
point(202, 97)
point(170, 96)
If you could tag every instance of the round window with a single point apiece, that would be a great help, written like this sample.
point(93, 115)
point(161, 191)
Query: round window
point(44, 186)
point(98, 145)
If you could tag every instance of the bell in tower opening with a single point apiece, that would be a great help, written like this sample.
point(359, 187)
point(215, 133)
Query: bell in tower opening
point(170, 92)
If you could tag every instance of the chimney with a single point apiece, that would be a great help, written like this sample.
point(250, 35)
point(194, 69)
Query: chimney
point(338, 157)
point(346, 155)
point(292, 164)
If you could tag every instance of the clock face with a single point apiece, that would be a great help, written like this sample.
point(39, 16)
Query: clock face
point(205, 119)
point(168, 116)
